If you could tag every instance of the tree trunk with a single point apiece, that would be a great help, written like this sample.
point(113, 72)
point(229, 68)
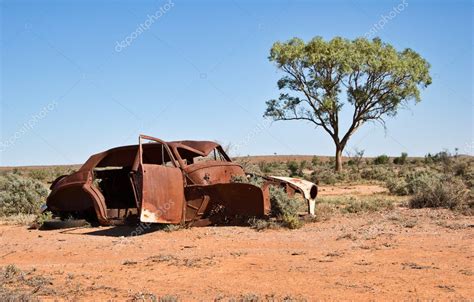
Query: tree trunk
point(338, 167)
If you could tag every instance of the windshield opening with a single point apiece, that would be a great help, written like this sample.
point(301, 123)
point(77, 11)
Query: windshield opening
point(189, 157)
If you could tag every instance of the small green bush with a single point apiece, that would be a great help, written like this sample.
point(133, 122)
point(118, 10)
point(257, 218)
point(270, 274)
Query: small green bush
point(284, 208)
point(401, 160)
point(315, 161)
point(282, 204)
point(294, 168)
point(265, 167)
point(381, 160)
point(248, 165)
point(291, 221)
point(440, 157)
point(263, 224)
point(41, 219)
point(39, 174)
point(20, 195)
point(324, 176)
point(379, 173)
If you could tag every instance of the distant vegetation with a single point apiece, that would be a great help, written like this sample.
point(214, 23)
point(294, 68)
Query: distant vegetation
point(437, 180)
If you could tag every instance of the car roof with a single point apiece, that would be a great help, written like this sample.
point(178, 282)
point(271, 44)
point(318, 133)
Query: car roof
point(200, 147)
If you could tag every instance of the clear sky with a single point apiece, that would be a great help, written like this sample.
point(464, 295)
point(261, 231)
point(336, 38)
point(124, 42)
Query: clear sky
point(79, 77)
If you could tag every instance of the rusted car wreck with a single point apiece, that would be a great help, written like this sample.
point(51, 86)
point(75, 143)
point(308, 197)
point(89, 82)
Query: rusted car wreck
point(181, 182)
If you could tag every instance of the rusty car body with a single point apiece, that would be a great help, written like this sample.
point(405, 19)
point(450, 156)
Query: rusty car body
point(180, 182)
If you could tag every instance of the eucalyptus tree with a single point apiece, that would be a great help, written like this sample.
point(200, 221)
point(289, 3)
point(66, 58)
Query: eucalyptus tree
point(320, 77)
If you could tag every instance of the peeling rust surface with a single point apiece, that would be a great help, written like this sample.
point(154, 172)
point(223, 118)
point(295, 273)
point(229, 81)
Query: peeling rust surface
point(162, 194)
point(228, 202)
point(213, 172)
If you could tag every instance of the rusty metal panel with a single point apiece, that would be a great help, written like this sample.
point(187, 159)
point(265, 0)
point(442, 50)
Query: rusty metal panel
point(162, 194)
point(197, 202)
point(213, 172)
point(228, 202)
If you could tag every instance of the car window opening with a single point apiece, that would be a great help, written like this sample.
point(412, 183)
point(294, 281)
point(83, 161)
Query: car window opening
point(189, 157)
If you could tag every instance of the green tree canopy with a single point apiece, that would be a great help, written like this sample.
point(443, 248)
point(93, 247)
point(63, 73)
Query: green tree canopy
point(321, 76)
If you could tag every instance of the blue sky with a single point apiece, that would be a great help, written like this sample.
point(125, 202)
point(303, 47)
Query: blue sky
point(200, 71)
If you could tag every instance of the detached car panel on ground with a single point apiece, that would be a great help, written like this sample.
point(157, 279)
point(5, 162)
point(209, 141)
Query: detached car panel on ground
point(182, 182)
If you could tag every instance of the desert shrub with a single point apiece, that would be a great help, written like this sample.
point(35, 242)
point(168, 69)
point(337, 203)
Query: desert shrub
point(350, 175)
point(279, 168)
point(39, 174)
point(248, 165)
point(291, 221)
point(263, 224)
point(284, 208)
point(303, 165)
point(465, 170)
point(356, 158)
point(265, 167)
point(401, 160)
point(444, 192)
point(398, 186)
point(324, 211)
point(324, 176)
point(41, 219)
point(440, 157)
point(327, 175)
point(315, 161)
point(20, 195)
point(294, 168)
point(462, 168)
point(19, 219)
point(282, 204)
point(409, 183)
point(381, 160)
point(380, 173)
point(249, 179)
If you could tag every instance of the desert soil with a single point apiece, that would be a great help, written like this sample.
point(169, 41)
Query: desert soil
point(400, 254)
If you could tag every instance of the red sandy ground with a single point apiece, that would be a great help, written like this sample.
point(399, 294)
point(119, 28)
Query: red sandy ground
point(401, 254)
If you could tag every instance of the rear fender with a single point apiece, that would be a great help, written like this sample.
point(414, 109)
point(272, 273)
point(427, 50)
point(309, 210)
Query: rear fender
point(75, 193)
point(221, 203)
